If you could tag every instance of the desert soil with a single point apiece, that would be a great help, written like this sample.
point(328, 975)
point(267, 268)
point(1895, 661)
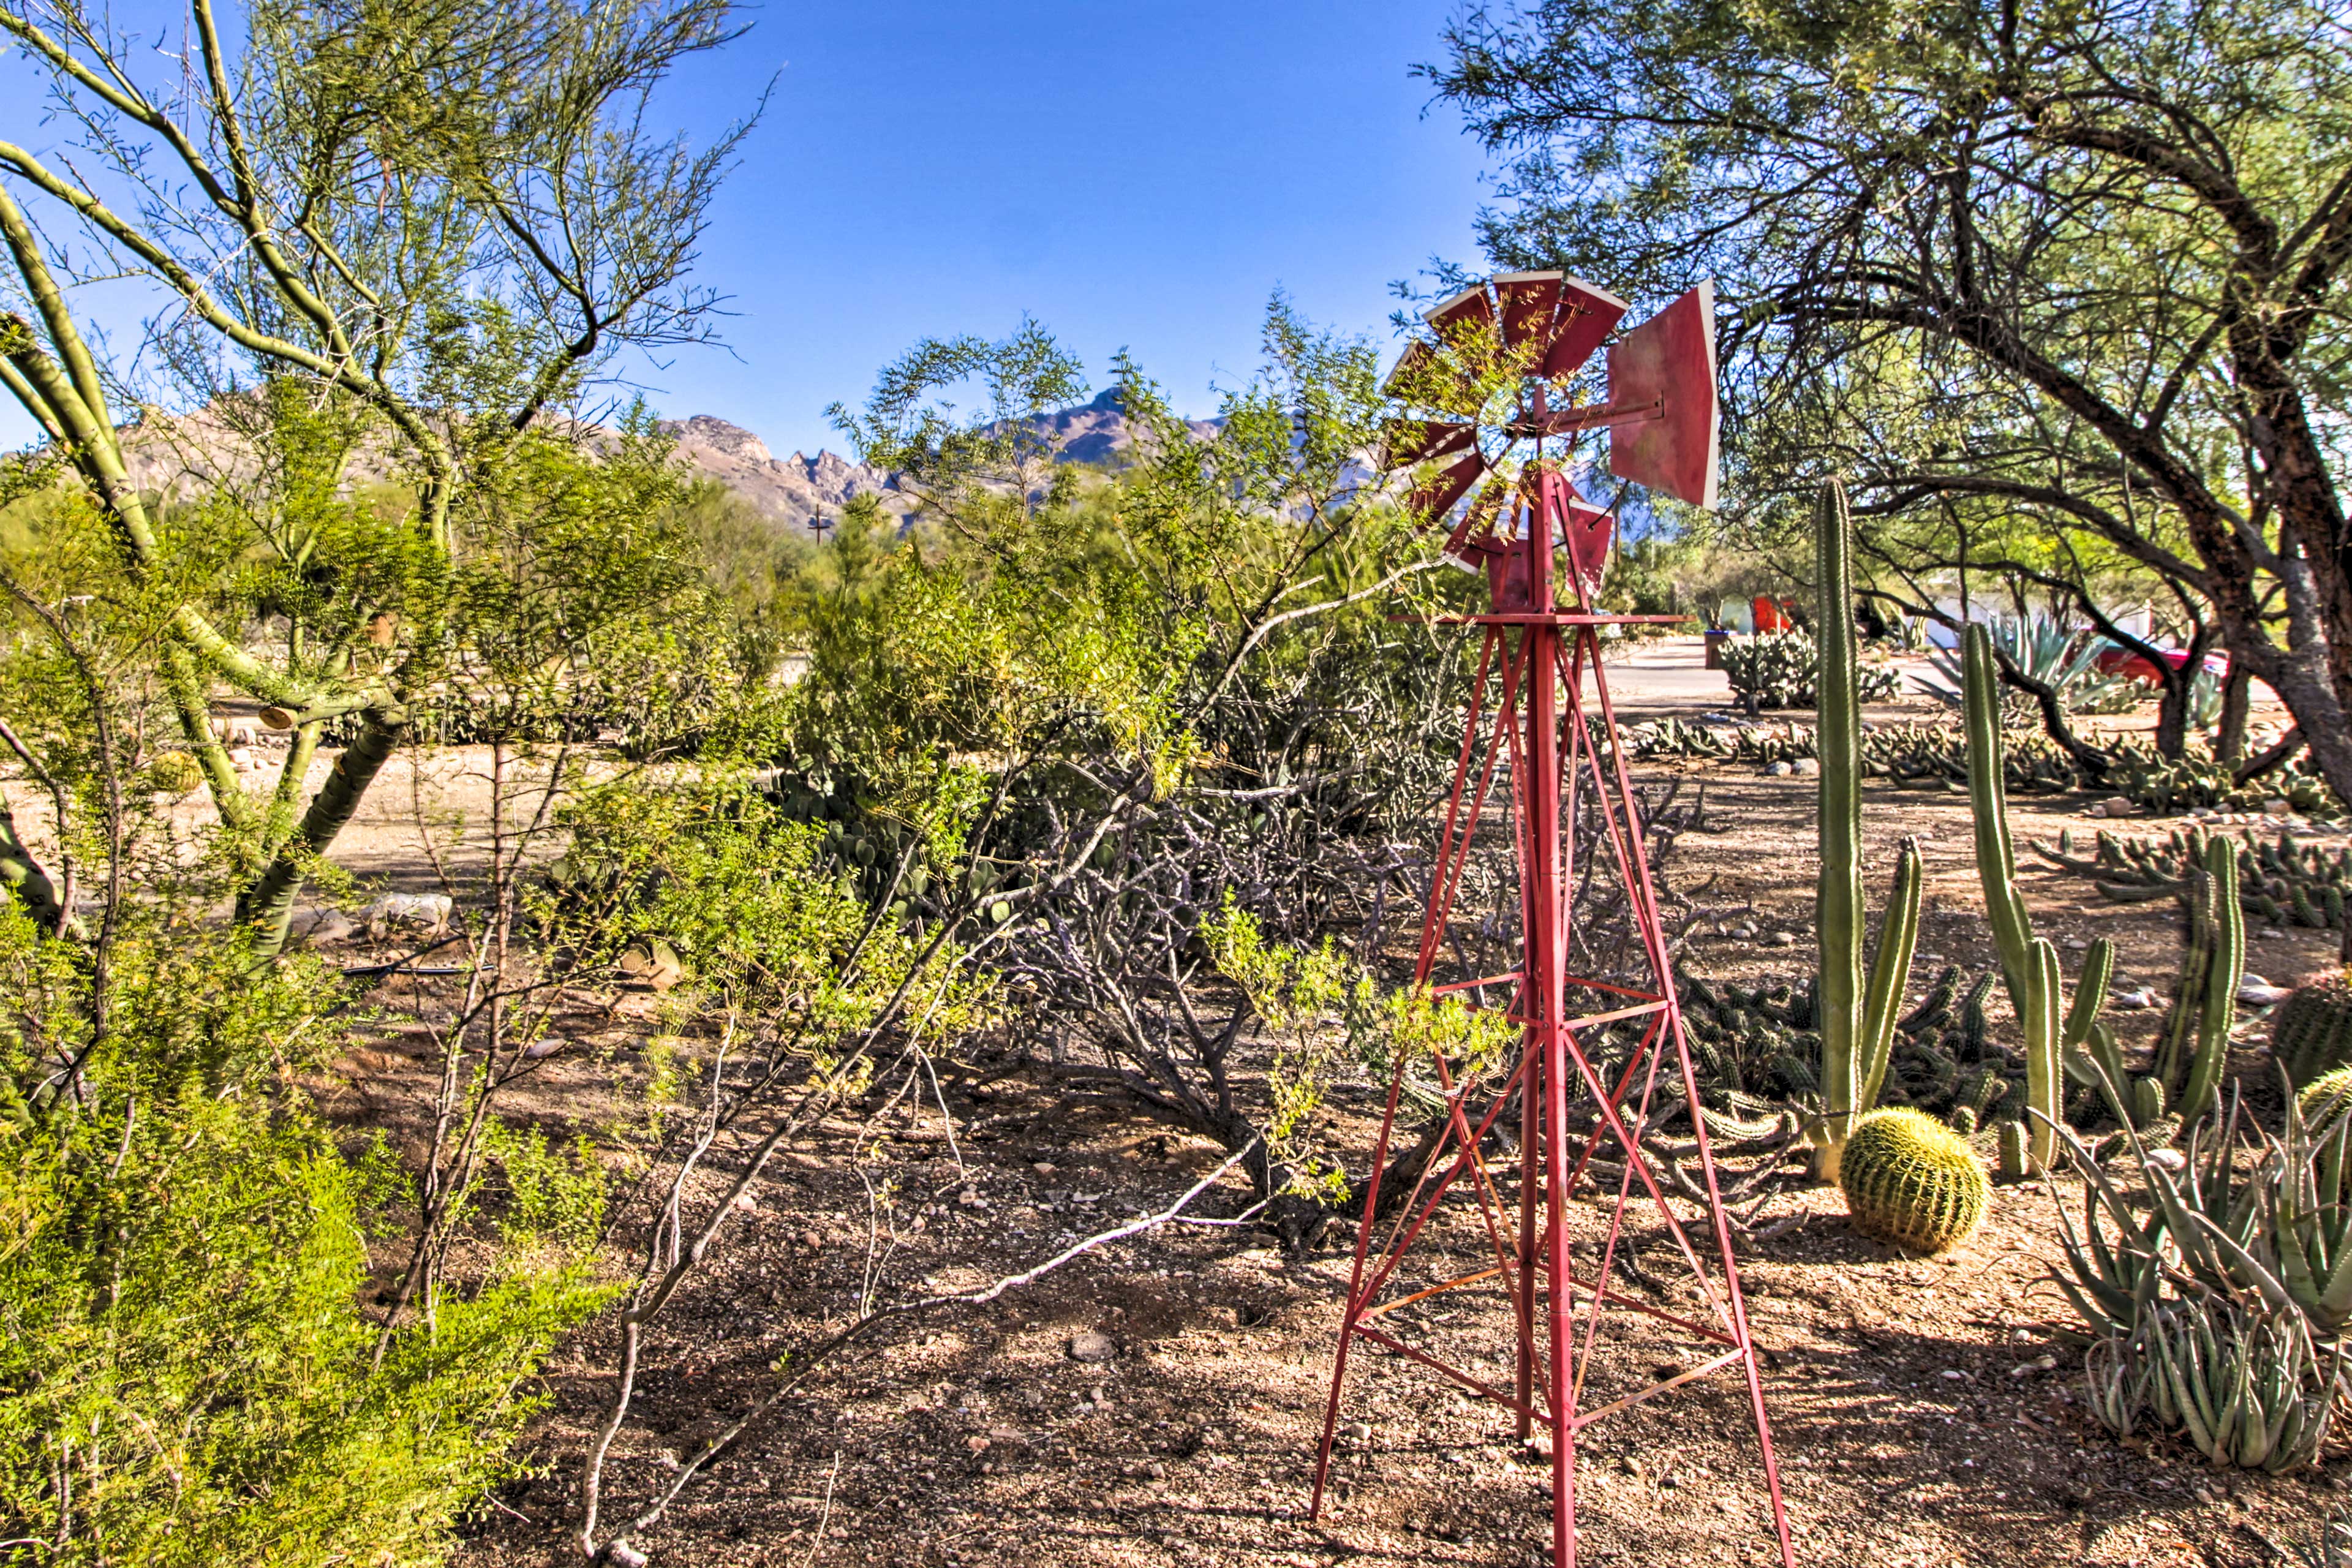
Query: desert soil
point(1922, 1409)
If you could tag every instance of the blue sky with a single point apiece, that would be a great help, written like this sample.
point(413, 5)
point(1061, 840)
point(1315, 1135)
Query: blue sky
point(1140, 175)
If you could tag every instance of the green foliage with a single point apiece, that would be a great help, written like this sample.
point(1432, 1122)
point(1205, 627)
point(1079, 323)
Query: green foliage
point(1775, 670)
point(2219, 1309)
point(1909, 1179)
point(187, 1374)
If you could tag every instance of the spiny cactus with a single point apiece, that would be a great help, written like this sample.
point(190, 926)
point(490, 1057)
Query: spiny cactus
point(2195, 1045)
point(2281, 881)
point(2311, 1033)
point(2324, 1096)
point(1911, 1180)
point(1858, 1029)
point(2013, 1151)
point(173, 773)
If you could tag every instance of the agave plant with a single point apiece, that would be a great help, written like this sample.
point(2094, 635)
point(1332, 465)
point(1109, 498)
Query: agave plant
point(2044, 651)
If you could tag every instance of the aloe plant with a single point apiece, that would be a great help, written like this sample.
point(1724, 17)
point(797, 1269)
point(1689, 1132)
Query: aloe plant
point(2220, 1310)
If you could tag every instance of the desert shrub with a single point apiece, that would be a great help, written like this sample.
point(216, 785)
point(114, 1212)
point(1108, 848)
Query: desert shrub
point(1775, 670)
point(188, 1373)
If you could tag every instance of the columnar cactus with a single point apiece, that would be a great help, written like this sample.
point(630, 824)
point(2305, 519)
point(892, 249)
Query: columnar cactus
point(1837, 888)
point(2045, 1080)
point(1996, 852)
point(1911, 1180)
point(2196, 1042)
point(1857, 1027)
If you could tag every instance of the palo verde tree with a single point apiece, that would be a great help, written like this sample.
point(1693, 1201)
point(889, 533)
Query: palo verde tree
point(413, 230)
point(2080, 267)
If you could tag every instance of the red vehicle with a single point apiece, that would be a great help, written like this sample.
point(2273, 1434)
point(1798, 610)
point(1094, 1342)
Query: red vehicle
point(2114, 659)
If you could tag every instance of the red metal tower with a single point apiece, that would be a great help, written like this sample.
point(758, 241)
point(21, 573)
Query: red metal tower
point(1528, 704)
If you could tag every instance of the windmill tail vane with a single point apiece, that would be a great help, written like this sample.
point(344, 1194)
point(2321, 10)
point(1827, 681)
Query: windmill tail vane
point(1539, 744)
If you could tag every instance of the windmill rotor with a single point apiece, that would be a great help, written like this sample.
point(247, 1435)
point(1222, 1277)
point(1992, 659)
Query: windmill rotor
point(1493, 411)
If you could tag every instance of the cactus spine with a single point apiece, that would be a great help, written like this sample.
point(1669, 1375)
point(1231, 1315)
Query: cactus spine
point(1837, 889)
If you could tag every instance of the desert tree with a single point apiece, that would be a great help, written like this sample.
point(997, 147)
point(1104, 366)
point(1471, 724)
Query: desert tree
point(415, 230)
point(2080, 266)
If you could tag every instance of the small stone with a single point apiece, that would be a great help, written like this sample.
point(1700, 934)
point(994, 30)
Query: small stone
point(1806, 767)
point(2271, 934)
point(2255, 991)
point(2277, 808)
point(746, 1203)
point(2118, 805)
point(1954, 1374)
point(1779, 939)
point(1045, 1168)
point(1360, 1431)
point(2167, 1159)
point(976, 1443)
point(621, 1554)
point(2135, 1001)
point(1093, 1345)
point(1778, 770)
point(2077, 945)
point(1155, 1471)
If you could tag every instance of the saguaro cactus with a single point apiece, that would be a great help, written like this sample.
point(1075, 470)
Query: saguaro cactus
point(1857, 1027)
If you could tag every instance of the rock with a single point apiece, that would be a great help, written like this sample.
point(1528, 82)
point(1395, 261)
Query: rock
point(2253, 991)
point(2077, 945)
point(1045, 1168)
point(621, 1554)
point(1359, 1432)
point(321, 926)
point(242, 759)
point(2118, 805)
point(1778, 770)
point(976, 1443)
point(1093, 1345)
point(423, 911)
point(1806, 767)
point(2277, 808)
point(655, 964)
point(2167, 1159)
point(1779, 939)
point(2135, 1001)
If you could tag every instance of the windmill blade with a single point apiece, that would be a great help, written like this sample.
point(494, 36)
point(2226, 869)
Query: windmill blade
point(1589, 530)
point(1435, 499)
point(1413, 368)
point(1462, 316)
point(1669, 359)
point(1406, 442)
point(1586, 316)
point(1528, 298)
point(1475, 522)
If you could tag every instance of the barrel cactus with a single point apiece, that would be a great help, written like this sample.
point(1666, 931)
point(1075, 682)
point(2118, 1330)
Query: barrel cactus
point(2324, 1096)
point(173, 773)
point(1911, 1180)
point(2311, 1033)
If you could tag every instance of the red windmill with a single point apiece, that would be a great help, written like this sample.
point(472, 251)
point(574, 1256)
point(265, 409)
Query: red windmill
point(1490, 390)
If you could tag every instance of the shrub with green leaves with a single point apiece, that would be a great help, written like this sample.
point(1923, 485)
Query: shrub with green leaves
point(188, 1370)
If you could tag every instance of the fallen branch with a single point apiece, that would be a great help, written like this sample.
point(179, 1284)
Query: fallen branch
point(619, 1550)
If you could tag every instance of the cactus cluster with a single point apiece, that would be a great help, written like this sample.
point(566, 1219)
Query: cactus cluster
point(2311, 1032)
point(1777, 669)
point(1911, 755)
point(2281, 881)
point(1909, 1179)
point(2197, 779)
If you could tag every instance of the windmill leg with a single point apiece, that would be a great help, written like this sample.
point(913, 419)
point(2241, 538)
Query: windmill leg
point(1534, 1087)
point(1355, 1294)
point(1559, 1322)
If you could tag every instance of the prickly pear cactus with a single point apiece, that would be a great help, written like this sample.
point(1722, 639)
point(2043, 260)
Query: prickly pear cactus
point(2311, 1033)
point(1911, 1180)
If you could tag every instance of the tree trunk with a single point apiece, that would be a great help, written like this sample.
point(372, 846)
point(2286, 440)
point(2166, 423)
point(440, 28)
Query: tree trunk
point(267, 906)
point(2237, 701)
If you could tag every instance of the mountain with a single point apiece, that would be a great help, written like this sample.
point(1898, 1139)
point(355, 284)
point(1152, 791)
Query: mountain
point(184, 454)
point(795, 491)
